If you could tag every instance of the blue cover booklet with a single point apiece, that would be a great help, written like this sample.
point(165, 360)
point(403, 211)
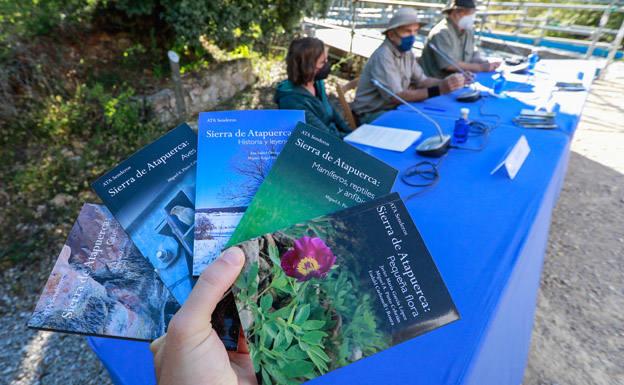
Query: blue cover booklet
point(236, 149)
point(152, 195)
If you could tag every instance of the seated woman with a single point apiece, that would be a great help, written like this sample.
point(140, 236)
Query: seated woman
point(307, 66)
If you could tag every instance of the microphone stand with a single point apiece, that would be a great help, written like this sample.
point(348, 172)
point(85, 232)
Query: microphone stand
point(469, 96)
point(434, 146)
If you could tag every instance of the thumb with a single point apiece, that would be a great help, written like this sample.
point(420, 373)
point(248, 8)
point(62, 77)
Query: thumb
point(194, 316)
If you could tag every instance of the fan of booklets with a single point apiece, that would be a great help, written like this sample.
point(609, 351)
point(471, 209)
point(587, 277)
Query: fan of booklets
point(335, 268)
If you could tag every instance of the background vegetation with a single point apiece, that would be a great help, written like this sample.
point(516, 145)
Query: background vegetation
point(565, 17)
point(70, 71)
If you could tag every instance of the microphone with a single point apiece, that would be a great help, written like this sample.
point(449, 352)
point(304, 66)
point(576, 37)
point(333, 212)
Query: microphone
point(468, 96)
point(434, 146)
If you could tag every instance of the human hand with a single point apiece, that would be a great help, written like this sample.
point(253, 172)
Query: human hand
point(489, 67)
point(451, 83)
point(191, 352)
point(469, 77)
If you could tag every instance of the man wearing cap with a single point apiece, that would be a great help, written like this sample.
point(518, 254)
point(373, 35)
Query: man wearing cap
point(394, 65)
point(454, 37)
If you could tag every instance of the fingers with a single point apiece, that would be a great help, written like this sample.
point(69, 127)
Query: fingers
point(157, 344)
point(468, 77)
point(242, 365)
point(460, 80)
point(193, 318)
point(157, 348)
point(455, 81)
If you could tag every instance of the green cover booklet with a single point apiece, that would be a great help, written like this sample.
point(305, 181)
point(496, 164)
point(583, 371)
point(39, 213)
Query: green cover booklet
point(326, 292)
point(315, 174)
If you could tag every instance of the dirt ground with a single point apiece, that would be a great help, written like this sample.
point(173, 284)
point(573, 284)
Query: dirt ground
point(578, 337)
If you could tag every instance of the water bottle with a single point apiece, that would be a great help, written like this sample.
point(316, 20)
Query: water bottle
point(462, 126)
point(533, 59)
point(499, 83)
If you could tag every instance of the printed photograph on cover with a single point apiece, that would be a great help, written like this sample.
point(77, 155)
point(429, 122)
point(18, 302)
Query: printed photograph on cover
point(236, 150)
point(327, 292)
point(101, 285)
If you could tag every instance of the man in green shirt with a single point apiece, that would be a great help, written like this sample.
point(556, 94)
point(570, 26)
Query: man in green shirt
point(454, 37)
point(395, 66)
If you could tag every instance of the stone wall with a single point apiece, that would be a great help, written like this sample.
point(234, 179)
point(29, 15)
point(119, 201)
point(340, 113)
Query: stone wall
point(203, 89)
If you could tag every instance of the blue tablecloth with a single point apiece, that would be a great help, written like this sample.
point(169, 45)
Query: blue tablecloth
point(523, 91)
point(487, 234)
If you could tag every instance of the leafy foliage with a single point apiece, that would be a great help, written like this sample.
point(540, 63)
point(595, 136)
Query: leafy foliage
point(229, 22)
point(565, 17)
point(55, 150)
point(295, 336)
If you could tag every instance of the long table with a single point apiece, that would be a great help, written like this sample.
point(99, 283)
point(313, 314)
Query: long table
point(487, 234)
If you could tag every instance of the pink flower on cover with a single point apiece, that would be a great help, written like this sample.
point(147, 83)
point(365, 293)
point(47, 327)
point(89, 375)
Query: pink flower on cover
point(310, 258)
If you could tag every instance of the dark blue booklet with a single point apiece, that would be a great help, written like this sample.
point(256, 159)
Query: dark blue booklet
point(152, 195)
point(324, 293)
point(101, 285)
point(236, 150)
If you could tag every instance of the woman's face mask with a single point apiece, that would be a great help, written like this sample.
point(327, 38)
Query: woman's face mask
point(467, 22)
point(323, 72)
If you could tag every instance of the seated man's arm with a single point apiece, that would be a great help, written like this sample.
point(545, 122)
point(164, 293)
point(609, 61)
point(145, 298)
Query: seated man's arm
point(422, 84)
point(420, 91)
point(386, 72)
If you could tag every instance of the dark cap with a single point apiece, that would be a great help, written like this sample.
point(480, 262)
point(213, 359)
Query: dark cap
point(459, 4)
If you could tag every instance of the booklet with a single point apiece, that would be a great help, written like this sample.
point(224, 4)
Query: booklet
point(315, 174)
point(101, 285)
point(236, 149)
point(152, 195)
point(324, 293)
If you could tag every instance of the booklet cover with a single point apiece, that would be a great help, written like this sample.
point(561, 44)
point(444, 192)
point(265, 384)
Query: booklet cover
point(236, 149)
point(315, 174)
point(326, 292)
point(152, 195)
point(101, 285)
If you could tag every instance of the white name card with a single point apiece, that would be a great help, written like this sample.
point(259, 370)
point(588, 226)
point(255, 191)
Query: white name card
point(515, 158)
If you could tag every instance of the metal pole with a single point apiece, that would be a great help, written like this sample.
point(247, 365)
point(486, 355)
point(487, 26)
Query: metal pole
point(614, 48)
point(483, 21)
point(604, 19)
point(353, 6)
point(521, 21)
point(174, 64)
point(543, 24)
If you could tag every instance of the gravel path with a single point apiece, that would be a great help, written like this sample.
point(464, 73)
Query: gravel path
point(578, 338)
point(29, 357)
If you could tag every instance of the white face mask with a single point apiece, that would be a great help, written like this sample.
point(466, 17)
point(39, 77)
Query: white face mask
point(466, 22)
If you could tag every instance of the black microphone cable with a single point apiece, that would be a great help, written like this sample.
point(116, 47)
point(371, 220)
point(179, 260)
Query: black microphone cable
point(424, 175)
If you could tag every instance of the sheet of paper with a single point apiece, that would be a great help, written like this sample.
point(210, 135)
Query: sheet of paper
point(515, 158)
point(387, 138)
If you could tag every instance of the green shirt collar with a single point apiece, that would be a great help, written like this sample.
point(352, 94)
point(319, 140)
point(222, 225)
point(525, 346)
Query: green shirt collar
point(393, 48)
point(453, 27)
